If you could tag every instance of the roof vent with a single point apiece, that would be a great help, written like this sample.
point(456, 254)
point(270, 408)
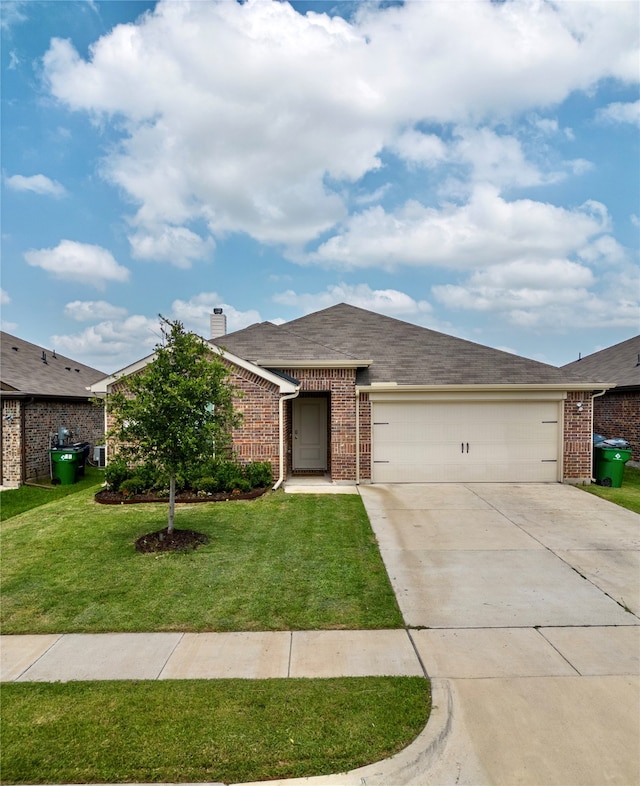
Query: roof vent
point(638, 363)
point(218, 323)
point(44, 356)
point(15, 349)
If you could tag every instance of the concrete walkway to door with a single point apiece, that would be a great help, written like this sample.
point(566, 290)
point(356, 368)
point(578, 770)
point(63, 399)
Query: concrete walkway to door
point(526, 600)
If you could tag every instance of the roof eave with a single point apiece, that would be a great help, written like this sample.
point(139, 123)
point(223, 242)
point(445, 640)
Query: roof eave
point(101, 387)
point(381, 387)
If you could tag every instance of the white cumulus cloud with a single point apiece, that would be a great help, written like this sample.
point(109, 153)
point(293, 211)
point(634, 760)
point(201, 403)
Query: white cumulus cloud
point(486, 230)
point(37, 184)
point(195, 313)
point(177, 245)
point(217, 133)
point(619, 112)
point(385, 301)
point(82, 262)
point(92, 310)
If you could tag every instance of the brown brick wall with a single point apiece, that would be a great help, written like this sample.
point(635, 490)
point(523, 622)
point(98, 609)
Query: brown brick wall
point(577, 438)
point(340, 386)
point(26, 439)
point(257, 438)
point(11, 431)
point(365, 437)
point(617, 414)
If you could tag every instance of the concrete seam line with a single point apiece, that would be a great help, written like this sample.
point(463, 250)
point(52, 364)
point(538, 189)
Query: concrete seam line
point(169, 656)
point(290, 653)
point(415, 649)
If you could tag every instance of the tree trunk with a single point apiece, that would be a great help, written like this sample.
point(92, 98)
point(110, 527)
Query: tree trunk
point(172, 503)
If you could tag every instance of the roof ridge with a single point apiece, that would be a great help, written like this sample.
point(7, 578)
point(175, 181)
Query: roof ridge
point(317, 343)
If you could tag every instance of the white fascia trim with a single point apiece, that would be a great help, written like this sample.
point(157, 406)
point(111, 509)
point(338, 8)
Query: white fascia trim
point(101, 387)
point(393, 387)
point(314, 363)
point(284, 385)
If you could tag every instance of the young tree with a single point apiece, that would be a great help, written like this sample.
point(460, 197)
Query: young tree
point(177, 409)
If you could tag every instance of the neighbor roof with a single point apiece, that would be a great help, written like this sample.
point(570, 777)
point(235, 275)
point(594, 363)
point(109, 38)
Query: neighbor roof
point(397, 351)
point(619, 363)
point(28, 369)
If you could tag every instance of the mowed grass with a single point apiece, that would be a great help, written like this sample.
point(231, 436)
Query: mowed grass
point(628, 495)
point(282, 562)
point(210, 730)
point(16, 501)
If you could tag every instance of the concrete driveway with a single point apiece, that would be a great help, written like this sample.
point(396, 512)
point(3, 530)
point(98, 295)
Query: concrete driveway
point(524, 605)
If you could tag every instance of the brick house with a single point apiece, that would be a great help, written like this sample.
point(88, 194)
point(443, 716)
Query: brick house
point(361, 397)
point(617, 412)
point(40, 392)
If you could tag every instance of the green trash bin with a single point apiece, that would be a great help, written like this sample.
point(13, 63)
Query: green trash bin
point(65, 463)
point(610, 463)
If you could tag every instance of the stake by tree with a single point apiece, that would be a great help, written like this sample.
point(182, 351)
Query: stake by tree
point(177, 409)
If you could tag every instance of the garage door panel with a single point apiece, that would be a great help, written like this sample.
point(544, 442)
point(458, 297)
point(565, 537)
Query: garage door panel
point(465, 442)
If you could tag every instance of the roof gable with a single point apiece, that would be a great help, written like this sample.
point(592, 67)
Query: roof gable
point(284, 383)
point(29, 369)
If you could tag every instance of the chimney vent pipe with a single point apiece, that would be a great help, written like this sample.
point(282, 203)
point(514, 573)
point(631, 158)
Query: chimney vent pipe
point(218, 323)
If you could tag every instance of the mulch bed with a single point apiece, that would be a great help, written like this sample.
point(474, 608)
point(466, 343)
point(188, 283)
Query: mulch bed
point(117, 498)
point(179, 540)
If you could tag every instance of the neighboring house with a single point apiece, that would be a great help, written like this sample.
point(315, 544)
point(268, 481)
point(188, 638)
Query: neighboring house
point(41, 392)
point(367, 398)
point(617, 412)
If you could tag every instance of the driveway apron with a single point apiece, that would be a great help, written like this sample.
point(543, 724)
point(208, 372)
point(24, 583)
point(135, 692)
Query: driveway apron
point(525, 600)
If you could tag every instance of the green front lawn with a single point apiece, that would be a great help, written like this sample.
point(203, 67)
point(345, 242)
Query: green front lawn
point(16, 501)
point(282, 562)
point(628, 495)
point(210, 730)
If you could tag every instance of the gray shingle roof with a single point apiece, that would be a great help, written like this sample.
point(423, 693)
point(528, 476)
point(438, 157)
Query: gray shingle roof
point(619, 363)
point(400, 352)
point(22, 370)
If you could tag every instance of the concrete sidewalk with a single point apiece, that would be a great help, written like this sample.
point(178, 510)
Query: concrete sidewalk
point(161, 656)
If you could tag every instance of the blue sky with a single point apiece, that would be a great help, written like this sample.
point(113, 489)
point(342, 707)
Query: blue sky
point(467, 166)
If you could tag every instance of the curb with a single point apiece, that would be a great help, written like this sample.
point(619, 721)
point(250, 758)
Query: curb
point(403, 767)
point(399, 770)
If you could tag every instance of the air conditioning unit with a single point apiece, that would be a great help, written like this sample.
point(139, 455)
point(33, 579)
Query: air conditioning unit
point(99, 455)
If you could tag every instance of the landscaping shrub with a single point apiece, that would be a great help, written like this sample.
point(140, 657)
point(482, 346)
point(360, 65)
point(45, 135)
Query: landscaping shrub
point(134, 485)
point(116, 471)
point(259, 474)
point(152, 477)
point(209, 476)
point(208, 485)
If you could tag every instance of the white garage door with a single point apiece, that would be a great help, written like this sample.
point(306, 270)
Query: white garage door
point(491, 441)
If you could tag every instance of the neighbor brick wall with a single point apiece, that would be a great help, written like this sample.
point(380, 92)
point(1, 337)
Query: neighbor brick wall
point(11, 430)
point(617, 414)
point(577, 438)
point(30, 431)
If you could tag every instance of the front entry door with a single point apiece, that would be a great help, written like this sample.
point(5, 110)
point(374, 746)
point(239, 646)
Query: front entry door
point(310, 433)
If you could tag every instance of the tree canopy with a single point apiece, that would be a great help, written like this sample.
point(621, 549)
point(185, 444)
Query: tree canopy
point(175, 410)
